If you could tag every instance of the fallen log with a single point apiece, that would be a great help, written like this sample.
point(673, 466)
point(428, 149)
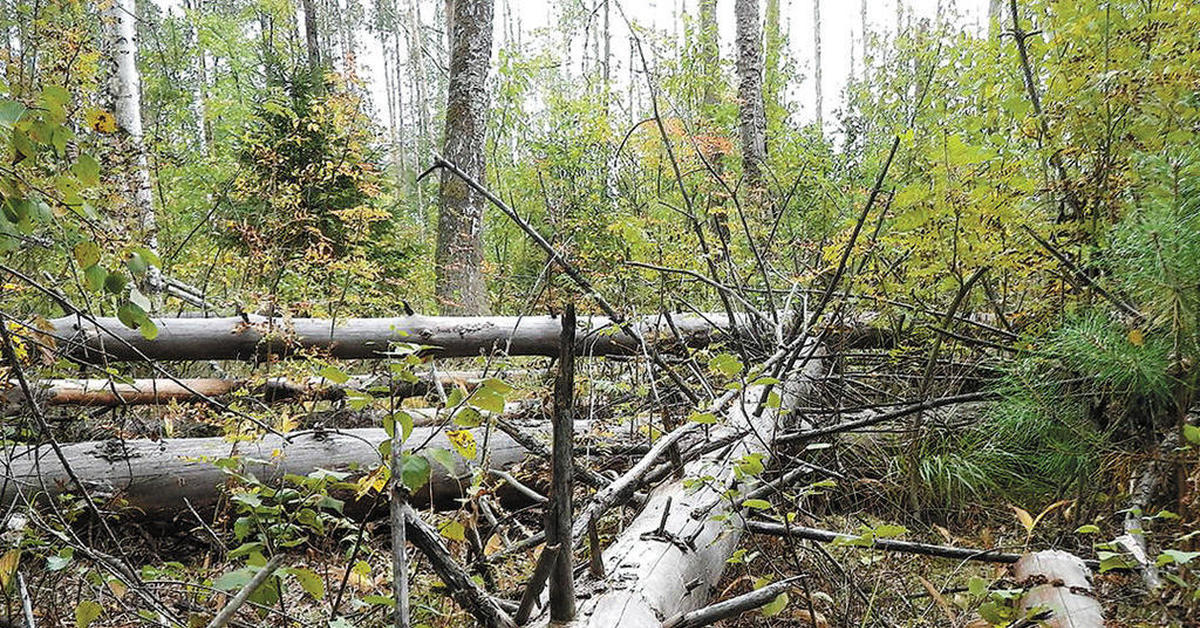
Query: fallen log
point(1143, 486)
point(253, 337)
point(891, 545)
point(156, 477)
point(668, 561)
point(158, 391)
point(1061, 582)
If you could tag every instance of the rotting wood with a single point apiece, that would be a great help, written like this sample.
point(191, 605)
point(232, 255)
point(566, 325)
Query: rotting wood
point(562, 578)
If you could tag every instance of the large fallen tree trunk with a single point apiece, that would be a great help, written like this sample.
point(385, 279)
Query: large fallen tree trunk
point(237, 338)
point(671, 556)
point(156, 477)
point(1061, 583)
point(139, 392)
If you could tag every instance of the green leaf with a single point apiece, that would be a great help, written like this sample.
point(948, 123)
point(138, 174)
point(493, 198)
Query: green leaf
point(775, 606)
point(115, 283)
point(131, 315)
point(443, 457)
point(379, 600)
point(1088, 529)
point(87, 254)
point(468, 417)
point(148, 329)
point(137, 264)
point(93, 277)
point(234, 580)
point(414, 472)
point(760, 504)
point(725, 364)
point(977, 586)
point(1191, 433)
point(406, 424)
point(86, 169)
point(1176, 556)
point(703, 418)
point(60, 561)
point(498, 386)
point(87, 612)
point(55, 98)
point(309, 581)
point(334, 374)
point(488, 400)
point(887, 531)
point(11, 112)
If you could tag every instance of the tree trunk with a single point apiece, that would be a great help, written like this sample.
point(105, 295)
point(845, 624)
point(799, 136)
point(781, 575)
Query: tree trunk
point(366, 338)
point(127, 108)
point(143, 392)
point(155, 477)
point(1062, 583)
point(460, 283)
point(817, 64)
point(709, 49)
point(201, 80)
point(752, 118)
point(310, 36)
point(670, 558)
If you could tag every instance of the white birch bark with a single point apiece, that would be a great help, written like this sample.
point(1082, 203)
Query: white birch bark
point(126, 91)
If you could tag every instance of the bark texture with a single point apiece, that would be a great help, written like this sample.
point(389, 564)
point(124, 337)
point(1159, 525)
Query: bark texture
point(126, 89)
point(817, 64)
point(670, 558)
point(1062, 583)
point(155, 477)
point(751, 116)
point(235, 338)
point(460, 283)
point(150, 392)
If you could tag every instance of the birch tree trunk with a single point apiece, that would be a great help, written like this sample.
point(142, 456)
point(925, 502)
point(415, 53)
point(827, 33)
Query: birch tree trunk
point(750, 92)
point(460, 285)
point(817, 65)
point(127, 107)
point(710, 51)
point(199, 90)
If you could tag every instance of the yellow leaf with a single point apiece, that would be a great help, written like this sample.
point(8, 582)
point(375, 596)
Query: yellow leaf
point(1024, 517)
point(454, 531)
point(1136, 338)
point(118, 588)
point(463, 442)
point(494, 544)
point(8, 567)
point(101, 121)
